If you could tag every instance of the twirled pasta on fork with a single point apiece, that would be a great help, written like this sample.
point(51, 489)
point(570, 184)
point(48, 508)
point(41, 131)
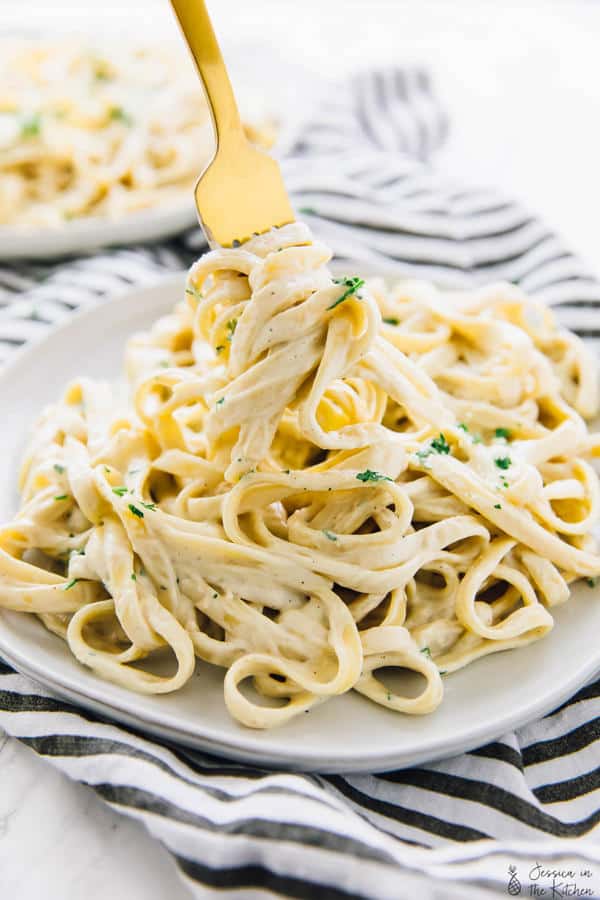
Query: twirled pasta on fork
point(312, 479)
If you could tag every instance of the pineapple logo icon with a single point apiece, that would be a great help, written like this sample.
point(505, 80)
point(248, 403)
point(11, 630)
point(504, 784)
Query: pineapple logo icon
point(514, 885)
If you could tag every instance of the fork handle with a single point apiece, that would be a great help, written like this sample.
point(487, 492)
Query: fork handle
point(198, 31)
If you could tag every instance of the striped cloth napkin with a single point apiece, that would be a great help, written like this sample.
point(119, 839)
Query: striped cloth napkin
point(361, 174)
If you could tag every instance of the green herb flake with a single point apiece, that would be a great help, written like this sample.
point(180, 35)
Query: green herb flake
point(59, 469)
point(231, 326)
point(503, 462)
point(101, 70)
point(391, 320)
point(133, 576)
point(215, 596)
point(194, 292)
point(307, 211)
point(135, 511)
point(463, 427)
point(503, 433)
point(220, 402)
point(497, 506)
point(426, 651)
point(389, 697)
point(329, 535)
point(120, 491)
point(370, 475)
point(351, 284)
point(151, 506)
point(31, 125)
point(440, 444)
point(118, 114)
point(71, 584)
point(62, 497)
point(591, 582)
point(219, 348)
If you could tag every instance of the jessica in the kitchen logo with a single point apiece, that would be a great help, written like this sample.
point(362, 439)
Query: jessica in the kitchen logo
point(544, 881)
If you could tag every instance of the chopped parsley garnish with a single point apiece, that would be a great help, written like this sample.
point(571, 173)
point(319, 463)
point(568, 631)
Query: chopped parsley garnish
point(133, 576)
point(220, 402)
point(370, 475)
point(503, 433)
point(102, 70)
point(497, 506)
point(194, 292)
point(390, 320)
point(426, 651)
point(62, 497)
point(437, 445)
point(220, 348)
point(231, 326)
point(351, 285)
point(31, 126)
point(135, 511)
point(463, 427)
point(307, 211)
point(71, 584)
point(329, 535)
point(119, 491)
point(440, 444)
point(503, 462)
point(118, 114)
point(151, 506)
point(59, 469)
point(591, 582)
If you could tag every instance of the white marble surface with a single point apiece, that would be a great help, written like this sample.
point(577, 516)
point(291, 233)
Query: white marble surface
point(522, 81)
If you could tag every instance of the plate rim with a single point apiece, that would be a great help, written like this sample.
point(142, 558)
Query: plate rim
point(241, 747)
point(81, 235)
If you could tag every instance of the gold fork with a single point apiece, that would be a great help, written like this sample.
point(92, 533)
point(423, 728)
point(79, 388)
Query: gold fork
point(241, 191)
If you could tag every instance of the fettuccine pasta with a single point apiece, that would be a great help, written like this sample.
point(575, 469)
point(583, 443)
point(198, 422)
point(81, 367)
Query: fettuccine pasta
point(99, 131)
point(313, 481)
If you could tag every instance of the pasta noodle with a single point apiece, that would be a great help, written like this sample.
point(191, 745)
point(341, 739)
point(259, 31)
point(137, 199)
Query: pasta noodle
point(88, 131)
point(312, 482)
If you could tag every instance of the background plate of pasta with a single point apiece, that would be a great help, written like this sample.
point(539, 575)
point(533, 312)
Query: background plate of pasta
point(101, 143)
point(325, 520)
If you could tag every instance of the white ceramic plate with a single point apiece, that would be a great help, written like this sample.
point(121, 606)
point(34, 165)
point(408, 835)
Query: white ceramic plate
point(251, 69)
point(349, 733)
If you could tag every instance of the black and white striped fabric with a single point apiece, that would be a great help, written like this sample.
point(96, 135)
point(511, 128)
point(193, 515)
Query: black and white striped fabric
point(362, 173)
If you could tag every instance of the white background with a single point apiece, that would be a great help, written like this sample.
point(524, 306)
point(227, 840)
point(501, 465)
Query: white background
point(522, 84)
